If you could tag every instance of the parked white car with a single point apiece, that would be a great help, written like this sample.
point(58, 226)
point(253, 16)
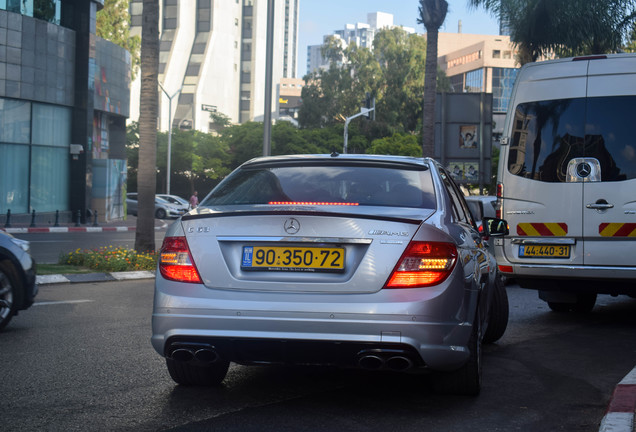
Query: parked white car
point(163, 208)
point(176, 200)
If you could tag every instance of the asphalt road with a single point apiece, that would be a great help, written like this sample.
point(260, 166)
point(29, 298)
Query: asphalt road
point(47, 247)
point(80, 359)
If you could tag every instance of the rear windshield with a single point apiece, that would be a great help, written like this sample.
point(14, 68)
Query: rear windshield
point(324, 185)
point(546, 135)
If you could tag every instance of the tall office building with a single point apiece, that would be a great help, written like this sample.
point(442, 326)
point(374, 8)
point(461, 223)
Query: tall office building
point(212, 58)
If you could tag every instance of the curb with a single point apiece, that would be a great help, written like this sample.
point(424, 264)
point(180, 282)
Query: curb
point(620, 412)
point(92, 277)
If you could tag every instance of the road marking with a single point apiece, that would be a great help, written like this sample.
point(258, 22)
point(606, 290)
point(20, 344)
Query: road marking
point(62, 302)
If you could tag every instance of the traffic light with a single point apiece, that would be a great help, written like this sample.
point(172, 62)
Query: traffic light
point(369, 103)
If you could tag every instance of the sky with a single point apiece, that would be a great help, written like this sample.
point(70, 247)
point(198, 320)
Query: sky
point(321, 17)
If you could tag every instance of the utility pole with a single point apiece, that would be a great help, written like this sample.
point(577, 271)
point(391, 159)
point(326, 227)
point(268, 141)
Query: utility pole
point(168, 168)
point(269, 54)
point(368, 110)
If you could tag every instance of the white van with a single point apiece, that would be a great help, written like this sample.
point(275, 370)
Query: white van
point(567, 180)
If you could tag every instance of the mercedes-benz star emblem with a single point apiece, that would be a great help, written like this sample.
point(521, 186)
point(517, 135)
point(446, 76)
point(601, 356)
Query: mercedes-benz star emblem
point(583, 169)
point(292, 226)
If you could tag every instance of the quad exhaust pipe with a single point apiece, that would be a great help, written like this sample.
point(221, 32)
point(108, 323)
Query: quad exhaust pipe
point(193, 353)
point(398, 361)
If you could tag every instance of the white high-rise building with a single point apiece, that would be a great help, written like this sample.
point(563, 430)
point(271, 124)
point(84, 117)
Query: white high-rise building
point(212, 58)
point(362, 34)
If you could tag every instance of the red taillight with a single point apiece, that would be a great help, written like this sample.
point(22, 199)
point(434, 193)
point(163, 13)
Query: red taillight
point(499, 204)
point(175, 261)
point(313, 203)
point(423, 264)
point(505, 268)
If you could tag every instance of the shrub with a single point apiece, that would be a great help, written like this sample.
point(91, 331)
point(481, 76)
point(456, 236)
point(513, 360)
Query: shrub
point(110, 259)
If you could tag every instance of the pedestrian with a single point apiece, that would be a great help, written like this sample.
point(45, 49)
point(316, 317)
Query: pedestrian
point(194, 200)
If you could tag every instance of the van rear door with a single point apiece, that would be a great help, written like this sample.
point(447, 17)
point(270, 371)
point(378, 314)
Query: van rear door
point(609, 202)
point(546, 132)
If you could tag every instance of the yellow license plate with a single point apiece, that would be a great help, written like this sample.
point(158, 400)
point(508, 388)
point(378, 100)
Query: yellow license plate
point(290, 258)
point(544, 251)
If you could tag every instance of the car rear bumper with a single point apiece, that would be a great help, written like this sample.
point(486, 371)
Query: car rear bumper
point(31, 288)
point(319, 329)
point(551, 271)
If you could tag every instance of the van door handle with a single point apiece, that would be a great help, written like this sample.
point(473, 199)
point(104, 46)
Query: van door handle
point(600, 205)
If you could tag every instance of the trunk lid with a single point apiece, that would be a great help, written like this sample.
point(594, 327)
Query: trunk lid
point(299, 251)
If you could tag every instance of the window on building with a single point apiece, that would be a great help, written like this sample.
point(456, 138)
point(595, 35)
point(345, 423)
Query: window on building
point(46, 10)
point(507, 54)
point(496, 54)
point(15, 121)
point(34, 156)
point(14, 178)
point(475, 81)
point(502, 81)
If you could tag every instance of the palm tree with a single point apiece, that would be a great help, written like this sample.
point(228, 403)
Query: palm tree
point(567, 27)
point(432, 15)
point(149, 98)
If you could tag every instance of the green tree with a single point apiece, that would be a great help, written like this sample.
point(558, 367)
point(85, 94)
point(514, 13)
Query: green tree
point(113, 24)
point(198, 160)
point(400, 78)
point(393, 72)
point(147, 169)
point(132, 155)
point(432, 15)
point(44, 10)
point(566, 27)
point(398, 144)
point(630, 46)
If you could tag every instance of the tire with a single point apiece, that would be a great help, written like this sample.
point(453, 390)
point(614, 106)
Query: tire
point(189, 374)
point(465, 381)
point(10, 293)
point(559, 307)
point(499, 312)
point(585, 302)
point(160, 213)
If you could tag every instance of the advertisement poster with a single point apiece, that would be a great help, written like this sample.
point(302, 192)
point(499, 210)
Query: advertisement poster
point(468, 136)
point(464, 172)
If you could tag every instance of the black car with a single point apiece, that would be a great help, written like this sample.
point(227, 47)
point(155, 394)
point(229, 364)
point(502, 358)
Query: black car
point(17, 277)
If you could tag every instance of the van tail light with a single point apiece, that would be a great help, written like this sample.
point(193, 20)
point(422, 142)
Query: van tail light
point(505, 268)
point(499, 203)
point(423, 264)
point(175, 261)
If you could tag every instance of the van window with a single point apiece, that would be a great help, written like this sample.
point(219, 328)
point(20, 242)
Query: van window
point(546, 135)
point(610, 136)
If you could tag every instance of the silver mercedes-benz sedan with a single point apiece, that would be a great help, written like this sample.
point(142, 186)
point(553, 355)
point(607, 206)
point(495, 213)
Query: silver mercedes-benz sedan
point(355, 261)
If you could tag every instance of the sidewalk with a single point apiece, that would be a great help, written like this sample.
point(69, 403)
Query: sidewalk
point(92, 277)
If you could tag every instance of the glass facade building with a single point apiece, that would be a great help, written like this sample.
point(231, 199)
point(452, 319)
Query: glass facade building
point(64, 99)
point(503, 79)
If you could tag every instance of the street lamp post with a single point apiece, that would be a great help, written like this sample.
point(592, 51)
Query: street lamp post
point(168, 168)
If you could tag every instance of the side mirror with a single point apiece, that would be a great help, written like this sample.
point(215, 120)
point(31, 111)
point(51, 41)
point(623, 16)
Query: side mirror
point(494, 227)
